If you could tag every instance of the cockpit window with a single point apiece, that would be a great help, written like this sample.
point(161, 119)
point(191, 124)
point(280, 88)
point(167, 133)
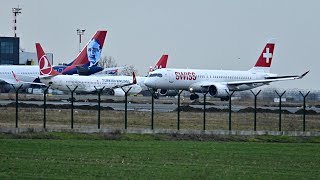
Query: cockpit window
point(155, 75)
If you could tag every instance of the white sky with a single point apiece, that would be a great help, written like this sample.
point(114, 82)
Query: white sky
point(206, 34)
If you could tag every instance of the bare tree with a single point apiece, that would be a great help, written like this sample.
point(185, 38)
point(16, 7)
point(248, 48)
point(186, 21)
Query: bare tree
point(107, 62)
point(128, 70)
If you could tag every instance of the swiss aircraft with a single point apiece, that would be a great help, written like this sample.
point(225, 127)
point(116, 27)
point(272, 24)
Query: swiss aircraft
point(78, 83)
point(30, 73)
point(218, 83)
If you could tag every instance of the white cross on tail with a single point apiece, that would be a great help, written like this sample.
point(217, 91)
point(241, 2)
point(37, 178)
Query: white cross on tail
point(267, 55)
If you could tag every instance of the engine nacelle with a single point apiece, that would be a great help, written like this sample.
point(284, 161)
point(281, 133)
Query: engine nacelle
point(116, 92)
point(218, 90)
point(165, 92)
point(135, 89)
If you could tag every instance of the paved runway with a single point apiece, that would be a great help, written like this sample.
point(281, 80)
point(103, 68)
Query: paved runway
point(158, 107)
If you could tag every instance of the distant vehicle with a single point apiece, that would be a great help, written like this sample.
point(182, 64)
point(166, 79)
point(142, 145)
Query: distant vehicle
point(218, 83)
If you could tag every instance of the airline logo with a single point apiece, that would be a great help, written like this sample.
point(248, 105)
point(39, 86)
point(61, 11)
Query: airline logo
point(45, 66)
point(185, 75)
point(267, 55)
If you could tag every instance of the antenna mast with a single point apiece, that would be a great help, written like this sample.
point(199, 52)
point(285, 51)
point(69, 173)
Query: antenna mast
point(15, 12)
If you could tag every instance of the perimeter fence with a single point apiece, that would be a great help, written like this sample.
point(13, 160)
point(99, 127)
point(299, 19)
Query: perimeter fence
point(99, 111)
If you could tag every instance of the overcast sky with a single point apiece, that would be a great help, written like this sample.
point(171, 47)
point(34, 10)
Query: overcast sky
point(202, 34)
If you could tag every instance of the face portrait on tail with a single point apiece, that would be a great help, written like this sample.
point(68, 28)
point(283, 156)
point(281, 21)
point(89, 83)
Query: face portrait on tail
point(94, 52)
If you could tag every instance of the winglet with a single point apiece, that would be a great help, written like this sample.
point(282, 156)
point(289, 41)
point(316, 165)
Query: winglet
point(134, 78)
point(304, 74)
point(15, 77)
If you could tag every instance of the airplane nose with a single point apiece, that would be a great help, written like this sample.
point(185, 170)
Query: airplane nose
point(150, 82)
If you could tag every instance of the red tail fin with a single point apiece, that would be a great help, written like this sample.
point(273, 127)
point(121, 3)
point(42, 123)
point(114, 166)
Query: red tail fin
point(265, 58)
point(134, 79)
point(44, 64)
point(83, 57)
point(162, 63)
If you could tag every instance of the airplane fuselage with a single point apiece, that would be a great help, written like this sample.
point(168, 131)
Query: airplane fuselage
point(24, 73)
point(184, 79)
point(89, 84)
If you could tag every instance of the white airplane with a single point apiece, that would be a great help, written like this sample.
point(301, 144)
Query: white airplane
point(18, 75)
point(218, 83)
point(86, 84)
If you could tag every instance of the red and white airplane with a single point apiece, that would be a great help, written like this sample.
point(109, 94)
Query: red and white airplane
point(218, 83)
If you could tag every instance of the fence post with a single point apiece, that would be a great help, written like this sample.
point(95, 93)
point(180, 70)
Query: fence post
point(255, 109)
point(280, 100)
point(72, 99)
point(178, 122)
point(230, 95)
point(99, 103)
point(204, 110)
point(126, 107)
point(304, 109)
point(153, 93)
point(45, 106)
point(17, 101)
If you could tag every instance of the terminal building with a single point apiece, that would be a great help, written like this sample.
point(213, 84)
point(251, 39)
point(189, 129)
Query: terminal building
point(9, 50)
point(11, 54)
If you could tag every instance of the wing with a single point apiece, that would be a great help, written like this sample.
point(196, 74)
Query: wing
point(268, 80)
point(243, 85)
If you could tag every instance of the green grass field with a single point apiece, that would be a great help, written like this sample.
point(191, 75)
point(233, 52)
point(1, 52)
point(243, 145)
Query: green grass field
point(69, 156)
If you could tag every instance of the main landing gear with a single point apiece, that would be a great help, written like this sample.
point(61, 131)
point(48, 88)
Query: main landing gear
point(225, 98)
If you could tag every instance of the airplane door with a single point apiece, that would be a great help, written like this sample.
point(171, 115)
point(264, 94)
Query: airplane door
point(170, 76)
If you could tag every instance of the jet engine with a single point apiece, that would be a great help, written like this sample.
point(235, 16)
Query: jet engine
point(218, 90)
point(116, 92)
point(165, 92)
point(135, 89)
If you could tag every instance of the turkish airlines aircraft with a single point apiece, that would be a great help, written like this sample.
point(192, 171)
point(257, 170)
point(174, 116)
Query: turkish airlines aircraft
point(218, 83)
point(86, 84)
point(30, 73)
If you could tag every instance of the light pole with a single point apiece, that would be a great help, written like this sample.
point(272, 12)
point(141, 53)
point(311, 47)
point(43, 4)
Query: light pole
point(15, 11)
point(80, 32)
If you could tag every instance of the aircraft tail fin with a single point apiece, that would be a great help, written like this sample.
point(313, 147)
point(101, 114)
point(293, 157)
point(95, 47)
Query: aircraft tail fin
point(134, 79)
point(162, 63)
point(83, 58)
point(263, 64)
point(45, 66)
